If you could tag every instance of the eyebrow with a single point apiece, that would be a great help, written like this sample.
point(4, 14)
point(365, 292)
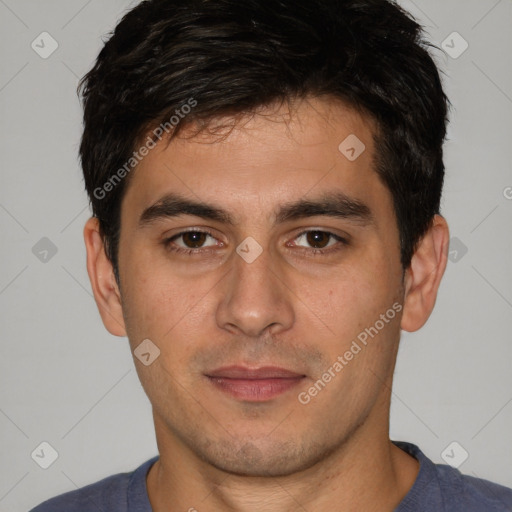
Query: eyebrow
point(333, 204)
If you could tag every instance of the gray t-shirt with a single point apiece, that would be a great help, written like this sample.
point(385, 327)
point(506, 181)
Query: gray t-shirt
point(438, 488)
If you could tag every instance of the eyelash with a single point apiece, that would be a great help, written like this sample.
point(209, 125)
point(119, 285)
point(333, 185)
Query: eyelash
point(312, 252)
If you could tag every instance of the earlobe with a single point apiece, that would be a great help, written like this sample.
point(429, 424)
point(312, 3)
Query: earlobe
point(424, 275)
point(103, 283)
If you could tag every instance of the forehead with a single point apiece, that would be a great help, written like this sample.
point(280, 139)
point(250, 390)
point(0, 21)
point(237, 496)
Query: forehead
point(272, 157)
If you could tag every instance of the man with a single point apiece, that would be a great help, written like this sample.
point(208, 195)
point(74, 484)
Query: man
point(265, 178)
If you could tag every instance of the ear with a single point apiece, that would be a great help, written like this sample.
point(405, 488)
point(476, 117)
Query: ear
point(423, 277)
point(103, 282)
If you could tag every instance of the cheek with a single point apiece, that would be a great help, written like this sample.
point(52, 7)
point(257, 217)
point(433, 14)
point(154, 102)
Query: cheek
point(148, 301)
point(159, 303)
point(355, 299)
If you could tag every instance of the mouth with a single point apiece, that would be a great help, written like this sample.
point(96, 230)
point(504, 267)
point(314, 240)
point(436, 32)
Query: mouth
point(254, 385)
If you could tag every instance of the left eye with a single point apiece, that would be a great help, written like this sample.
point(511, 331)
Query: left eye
point(319, 239)
point(193, 240)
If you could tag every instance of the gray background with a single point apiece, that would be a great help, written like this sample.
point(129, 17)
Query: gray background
point(66, 381)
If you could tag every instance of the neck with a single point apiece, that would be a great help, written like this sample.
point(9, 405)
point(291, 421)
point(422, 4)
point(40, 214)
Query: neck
point(367, 472)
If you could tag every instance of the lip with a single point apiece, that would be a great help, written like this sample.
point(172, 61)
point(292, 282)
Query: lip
point(254, 384)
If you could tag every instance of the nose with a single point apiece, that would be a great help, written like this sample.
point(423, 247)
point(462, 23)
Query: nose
point(255, 298)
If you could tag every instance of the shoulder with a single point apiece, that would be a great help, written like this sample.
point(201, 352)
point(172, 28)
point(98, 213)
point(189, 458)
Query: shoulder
point(110, 493)
point(440, 487)
point(99, 495)
point(473, 494)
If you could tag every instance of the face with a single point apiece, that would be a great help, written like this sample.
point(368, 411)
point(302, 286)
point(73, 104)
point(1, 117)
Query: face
point(254, 262)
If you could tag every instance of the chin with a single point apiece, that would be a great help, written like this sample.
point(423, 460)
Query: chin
point(262, 458)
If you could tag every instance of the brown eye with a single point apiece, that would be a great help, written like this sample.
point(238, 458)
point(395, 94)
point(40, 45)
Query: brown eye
point(194, 239)
point(317, 242)
point(318, 239)
point(191, 242)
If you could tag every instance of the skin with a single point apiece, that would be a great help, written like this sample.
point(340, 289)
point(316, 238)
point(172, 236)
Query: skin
point(288, 309)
